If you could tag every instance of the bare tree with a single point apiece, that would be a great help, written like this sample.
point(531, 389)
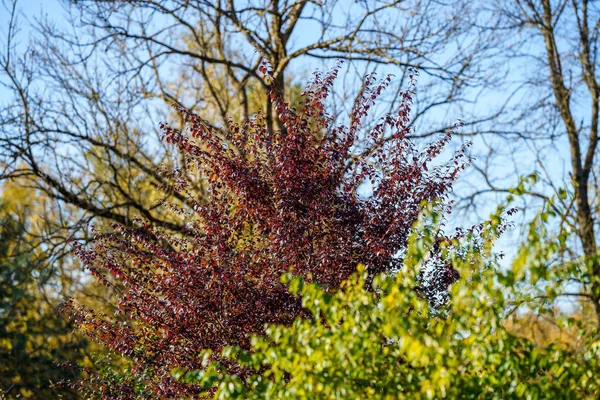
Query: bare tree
point(87, 95)
point(554, 119)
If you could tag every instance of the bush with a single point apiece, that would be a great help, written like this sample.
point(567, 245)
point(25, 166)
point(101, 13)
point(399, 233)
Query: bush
point(386, 344)
point(271, 202)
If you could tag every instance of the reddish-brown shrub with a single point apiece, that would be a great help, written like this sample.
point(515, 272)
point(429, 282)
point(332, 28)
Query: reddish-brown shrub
point(277, 201)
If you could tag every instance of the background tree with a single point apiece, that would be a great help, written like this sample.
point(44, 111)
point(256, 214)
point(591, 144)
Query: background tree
point(124, 60)
point(34, 338)
point(546, 329)
point(83, 102)
point(83, 92)
point(551, 49)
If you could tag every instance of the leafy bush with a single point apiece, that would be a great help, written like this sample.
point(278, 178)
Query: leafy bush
point(386, 344)
point(272, 202)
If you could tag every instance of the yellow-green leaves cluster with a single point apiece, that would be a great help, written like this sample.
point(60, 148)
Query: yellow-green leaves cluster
point(377, 339)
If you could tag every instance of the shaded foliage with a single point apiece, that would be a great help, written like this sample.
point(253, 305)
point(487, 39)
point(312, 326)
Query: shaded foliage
point(34, 338)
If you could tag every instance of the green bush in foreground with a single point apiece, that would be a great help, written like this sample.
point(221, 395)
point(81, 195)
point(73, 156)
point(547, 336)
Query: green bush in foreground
point(382, 340)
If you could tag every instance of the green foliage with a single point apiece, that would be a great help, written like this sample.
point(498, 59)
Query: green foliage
point(380, 339)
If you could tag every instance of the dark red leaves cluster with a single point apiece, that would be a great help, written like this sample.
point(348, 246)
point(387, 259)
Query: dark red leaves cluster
point(276, 201)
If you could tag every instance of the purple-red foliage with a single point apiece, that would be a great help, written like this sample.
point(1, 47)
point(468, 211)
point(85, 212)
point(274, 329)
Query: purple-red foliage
point(277, 201)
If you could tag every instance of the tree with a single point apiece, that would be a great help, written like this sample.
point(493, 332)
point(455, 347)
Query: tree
point(85, 90)
point(278, 201)
point(386, 343)
point(34, 338)
point(221, 36)
point(111, 76)
point(37, 344)
point(556, 118)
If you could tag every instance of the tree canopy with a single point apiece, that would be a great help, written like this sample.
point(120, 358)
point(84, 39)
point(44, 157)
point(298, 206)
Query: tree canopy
point(277, 201)
point(34, 338)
